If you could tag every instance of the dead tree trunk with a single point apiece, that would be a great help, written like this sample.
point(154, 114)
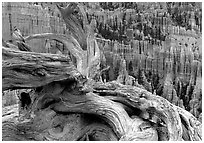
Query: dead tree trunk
point(69, 105)
point(124, 112)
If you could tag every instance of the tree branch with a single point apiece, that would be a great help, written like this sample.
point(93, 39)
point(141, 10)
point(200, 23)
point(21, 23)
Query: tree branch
point(70, 43)
point(73, 24)
point(27, 69)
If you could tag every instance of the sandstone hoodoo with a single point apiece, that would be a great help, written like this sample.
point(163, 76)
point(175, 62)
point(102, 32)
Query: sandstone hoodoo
point(105, 71)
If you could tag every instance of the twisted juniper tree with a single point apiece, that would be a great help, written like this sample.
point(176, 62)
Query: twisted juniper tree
point(69, 104)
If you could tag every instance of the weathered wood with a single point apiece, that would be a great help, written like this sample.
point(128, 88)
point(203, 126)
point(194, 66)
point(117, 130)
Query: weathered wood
point(73, 24)
point(9, 45)
point(28, 70)
point(50, 102)
point(106, 104)
point(72, 127)
point(86, 38)
point(70, 44)
point(107, 101)
point(192, 125)
point(113, 112)
point(153, 105)
point(87, 61)
point(66, 110)
point(146, 102)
